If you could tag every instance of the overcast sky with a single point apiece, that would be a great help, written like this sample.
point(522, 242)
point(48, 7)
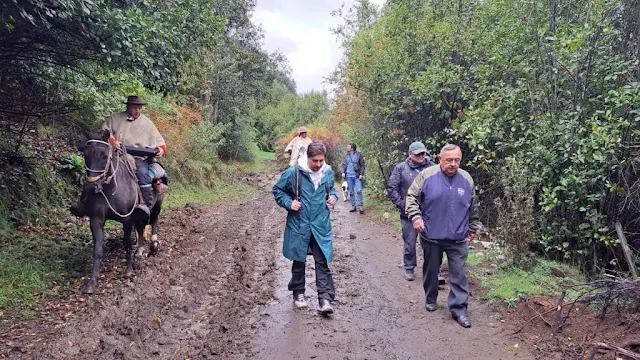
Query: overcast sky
point(300, 30)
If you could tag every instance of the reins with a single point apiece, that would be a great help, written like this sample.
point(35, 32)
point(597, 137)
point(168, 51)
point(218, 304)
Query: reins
point(104, 174)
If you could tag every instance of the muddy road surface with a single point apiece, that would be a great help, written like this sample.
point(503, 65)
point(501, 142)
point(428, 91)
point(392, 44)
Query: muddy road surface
point(217, 290)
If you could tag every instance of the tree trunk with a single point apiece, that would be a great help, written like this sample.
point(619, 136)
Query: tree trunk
point(214, 119)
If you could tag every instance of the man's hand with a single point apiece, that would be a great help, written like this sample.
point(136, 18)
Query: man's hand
point(344, 177)
point(116, 144)
point(296, 205)
point(160, 152)
point(360, 177)
point(418, 225)
point(473, 235)
point(331, 201)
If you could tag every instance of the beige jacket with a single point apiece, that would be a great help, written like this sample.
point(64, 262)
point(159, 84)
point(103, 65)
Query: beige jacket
point(295, 145)
point(141, 132)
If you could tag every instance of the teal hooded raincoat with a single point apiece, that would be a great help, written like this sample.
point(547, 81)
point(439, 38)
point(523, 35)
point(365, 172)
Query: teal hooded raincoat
point(314, 215)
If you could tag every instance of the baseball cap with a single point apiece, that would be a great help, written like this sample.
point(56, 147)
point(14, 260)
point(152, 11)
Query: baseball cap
point(417, 148)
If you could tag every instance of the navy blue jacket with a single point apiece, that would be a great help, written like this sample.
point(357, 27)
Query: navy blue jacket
point(401, 178)
point(447, 205)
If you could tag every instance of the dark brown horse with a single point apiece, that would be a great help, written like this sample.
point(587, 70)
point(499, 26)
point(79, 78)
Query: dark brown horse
point(111, 193)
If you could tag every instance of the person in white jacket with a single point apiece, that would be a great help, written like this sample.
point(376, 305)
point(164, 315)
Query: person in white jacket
point(298, 142)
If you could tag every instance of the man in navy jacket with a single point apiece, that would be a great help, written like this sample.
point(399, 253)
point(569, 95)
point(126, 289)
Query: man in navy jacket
point(441, 204)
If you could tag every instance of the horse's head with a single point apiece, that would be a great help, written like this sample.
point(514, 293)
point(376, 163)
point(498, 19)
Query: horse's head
point(97, 156)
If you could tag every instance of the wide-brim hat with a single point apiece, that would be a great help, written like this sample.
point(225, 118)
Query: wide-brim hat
point(302, 129)
point(135, 100)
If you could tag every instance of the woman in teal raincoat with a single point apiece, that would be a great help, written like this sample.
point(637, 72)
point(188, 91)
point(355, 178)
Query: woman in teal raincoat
point(306, 191)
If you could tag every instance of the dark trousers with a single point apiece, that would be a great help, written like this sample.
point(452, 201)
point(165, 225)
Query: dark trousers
point(144, 180)
point(457, 252)
point(409, 235)
point(324, 279)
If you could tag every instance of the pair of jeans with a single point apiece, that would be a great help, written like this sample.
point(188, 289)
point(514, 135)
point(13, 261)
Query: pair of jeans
point(144, 180)
point(355, 188)
point(324, 278)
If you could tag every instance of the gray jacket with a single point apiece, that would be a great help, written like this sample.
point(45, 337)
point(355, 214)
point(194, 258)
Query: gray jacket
point(358, 165)
point(401, 179)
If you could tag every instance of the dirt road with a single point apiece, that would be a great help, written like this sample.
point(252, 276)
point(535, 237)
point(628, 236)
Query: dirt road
point(379, 315)
point(218, 291)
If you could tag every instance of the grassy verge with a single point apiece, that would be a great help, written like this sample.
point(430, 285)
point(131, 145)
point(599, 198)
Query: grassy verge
point(260, 162)
point(223, 191)
point(38, 265)
point(383, 209)
point(507, 284)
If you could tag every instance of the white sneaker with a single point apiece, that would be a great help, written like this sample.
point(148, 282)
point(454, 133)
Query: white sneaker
point(325, 307)
point(299, 301)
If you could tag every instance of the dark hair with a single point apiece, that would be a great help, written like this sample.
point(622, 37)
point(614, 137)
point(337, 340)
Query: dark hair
point(316, 148)
point(353, 146)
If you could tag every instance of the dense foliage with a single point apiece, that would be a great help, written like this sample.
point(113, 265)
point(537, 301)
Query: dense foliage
point(543, 97)
point(65, 64)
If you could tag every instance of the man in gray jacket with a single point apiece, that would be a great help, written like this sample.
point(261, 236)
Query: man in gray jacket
point(401, 178)
point(441, 204)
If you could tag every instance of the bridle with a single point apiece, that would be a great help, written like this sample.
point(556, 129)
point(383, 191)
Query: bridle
point(104, 174)
point(107, 167)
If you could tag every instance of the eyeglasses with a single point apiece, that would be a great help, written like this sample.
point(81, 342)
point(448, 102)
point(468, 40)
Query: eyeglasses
point(420, 154)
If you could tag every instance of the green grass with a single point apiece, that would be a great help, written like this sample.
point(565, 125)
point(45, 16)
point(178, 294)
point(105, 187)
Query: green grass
point(262, 156)
point(510, 284)
point(259, 163)
point(223, 191)
point(473, 258)
point(30, 266)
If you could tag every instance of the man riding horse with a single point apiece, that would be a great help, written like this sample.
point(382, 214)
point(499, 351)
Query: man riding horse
point(131, 128)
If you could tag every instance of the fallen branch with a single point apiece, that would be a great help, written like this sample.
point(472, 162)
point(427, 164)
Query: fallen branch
point(617, 350)
point(624, 293)
point(627, 251)
point(540, 316)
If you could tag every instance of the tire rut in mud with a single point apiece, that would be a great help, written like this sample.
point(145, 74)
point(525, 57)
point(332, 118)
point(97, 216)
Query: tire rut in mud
point(198, 298)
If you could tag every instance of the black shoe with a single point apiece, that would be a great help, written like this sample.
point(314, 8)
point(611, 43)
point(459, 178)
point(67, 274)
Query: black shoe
point(441, 280)
point(353, 209)
point(361, 209)
point(431, 307)
point(463, 320)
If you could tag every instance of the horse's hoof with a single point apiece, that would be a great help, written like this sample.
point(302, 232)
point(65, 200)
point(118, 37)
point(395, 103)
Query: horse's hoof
point(89, 289)
point(154, 248)
point(141, 252)
point(128, 274)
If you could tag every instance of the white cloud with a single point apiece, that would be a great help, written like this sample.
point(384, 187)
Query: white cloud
point(301, 30)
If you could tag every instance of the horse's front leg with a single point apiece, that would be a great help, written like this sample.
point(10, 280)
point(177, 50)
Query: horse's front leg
point(97, 230)
point(128, 227)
